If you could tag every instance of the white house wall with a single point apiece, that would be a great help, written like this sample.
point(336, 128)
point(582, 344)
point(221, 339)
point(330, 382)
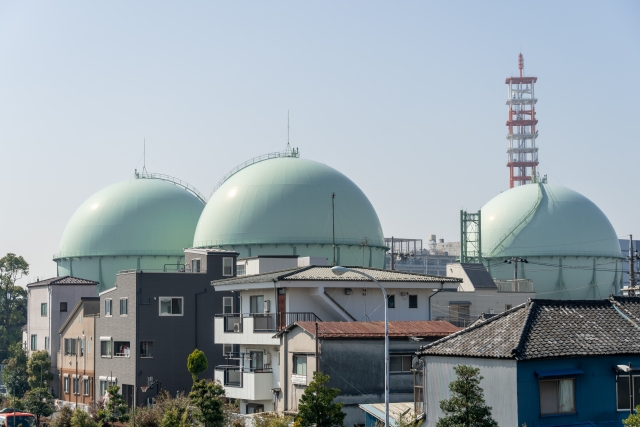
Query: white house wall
point(482, 301)
point(499, 385)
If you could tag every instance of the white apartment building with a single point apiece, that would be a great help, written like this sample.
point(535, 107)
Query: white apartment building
point(48, 304)
point(269, 302)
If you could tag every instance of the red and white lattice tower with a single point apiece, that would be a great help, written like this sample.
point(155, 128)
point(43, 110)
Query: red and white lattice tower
point(523, 153)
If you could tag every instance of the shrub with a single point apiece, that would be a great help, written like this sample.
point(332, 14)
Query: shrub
point(82, 419)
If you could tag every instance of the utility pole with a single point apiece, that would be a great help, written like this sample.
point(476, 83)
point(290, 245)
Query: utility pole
point(632, 258)
point(333, 227)
point(515, 261)
point(392, 260)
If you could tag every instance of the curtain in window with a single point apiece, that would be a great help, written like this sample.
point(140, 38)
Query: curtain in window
point(165, 306)
point(565, 396)
point(301, 365)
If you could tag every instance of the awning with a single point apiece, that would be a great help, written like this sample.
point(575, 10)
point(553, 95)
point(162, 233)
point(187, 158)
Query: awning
point(558, 373)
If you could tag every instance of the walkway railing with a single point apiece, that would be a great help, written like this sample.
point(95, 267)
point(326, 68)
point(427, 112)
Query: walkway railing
point(265, 322)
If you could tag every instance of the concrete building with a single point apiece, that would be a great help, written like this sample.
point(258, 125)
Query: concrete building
point(76, 357)
point(352, 354)
point(142, 223)
point(544, 363)
point(280, 204)
point(571, 247)
point(151, 321)
point(270, 302)
point(48, 305)
point(478, 294)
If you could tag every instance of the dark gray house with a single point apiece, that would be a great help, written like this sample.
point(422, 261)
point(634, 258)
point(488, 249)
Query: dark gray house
point(152, 320)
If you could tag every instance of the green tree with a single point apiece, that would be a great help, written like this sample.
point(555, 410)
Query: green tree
point(14, 375)
point(13, 301)
point(196, 364)
point(39, 369)
point(82, 419)
point(317, 406)
point(115, 409)
point(466, 408)
point(39, 402)
point(64, 418)
point(271, 419)
point(174, 418)
point(208, 397)
point(633, 420)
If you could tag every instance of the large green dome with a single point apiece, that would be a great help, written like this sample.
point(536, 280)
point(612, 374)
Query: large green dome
point(571, 247)
point(142, 223)
point(139, 216)
point(285, 204)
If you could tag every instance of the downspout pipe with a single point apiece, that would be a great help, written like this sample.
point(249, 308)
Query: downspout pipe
point(436, 291)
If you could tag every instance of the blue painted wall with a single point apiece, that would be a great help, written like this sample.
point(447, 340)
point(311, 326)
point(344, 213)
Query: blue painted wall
point(595, 389)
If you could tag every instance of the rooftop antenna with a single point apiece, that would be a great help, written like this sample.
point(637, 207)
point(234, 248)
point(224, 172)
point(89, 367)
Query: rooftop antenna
point(144, 155)
point(333, 226)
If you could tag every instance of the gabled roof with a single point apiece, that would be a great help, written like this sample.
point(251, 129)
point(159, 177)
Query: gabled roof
point(324, 273)
point(550, 328)
point(92, 307)
point(63, 280)
point(418, 328)
point(479, 276)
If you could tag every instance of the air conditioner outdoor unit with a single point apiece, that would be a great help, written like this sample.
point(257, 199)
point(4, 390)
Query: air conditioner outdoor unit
point(236, 327)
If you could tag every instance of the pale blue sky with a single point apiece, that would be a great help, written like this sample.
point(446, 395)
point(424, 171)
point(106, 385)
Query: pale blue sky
point(405, 98)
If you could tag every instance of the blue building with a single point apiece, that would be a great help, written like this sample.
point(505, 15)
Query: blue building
point(544, 363)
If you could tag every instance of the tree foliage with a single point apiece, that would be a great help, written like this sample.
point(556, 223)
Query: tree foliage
point(197, 363)
point(39, 369)
point(82, 419)
point(208, 397)
point(39, 402)
point(271, 419)
point(13, 301)
point(14, 375)
point(115, 409)
point(64, 418)
point(466, 407)
point(633, 420)
point(317, 406)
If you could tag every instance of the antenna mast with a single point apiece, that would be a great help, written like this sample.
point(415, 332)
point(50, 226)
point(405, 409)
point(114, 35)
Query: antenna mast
point(333, 226)
point(144, 155)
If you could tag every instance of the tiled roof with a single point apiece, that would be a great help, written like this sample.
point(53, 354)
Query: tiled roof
point(419, 328)
point(479, 276)
point(63, 280)
point(550, 328)
point(324, 273)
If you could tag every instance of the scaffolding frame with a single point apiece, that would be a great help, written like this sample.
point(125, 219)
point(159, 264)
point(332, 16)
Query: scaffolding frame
point(470, 237)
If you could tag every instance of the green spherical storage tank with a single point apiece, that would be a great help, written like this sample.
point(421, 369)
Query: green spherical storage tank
point(142, 223)
point(282, 206)
point(571, 247)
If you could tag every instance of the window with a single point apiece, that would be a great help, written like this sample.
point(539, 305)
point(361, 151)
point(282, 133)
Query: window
point(241, 269)
point(256, 361)
point(226, 349)
point(413, 301)
point(170, 306)
point(256, 304)
point(107, 307)
point(459, 314)
point(66, 384)
point(300, 365)
point(123, 349)
point(46, 343)
point(507, 307)
point(254, 408)
point(85, 386)
point(76, 385)
point(124, 306)
point(70, 346)
point(227, 305)
point(195, 265)
point(63, 307)
point(82, 342)
point(558, 396)
point(399, 363)
point(43, 309)
point(105, 347)
point(622, 387)
point(391, 301)
point(34, 342)
point(146, 348)
point(227, 266)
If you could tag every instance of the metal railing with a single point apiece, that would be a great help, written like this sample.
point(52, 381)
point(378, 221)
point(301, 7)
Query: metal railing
point(180, 183)
point(265, 322)
point(461, 321)
point(517, 285)
point(234, 375)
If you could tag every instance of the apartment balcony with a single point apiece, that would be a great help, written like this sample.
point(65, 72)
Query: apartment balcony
point(255, 328)
point(242, 383)
point(517, 285)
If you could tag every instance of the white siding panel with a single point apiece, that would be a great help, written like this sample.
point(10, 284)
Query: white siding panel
point(499, 385)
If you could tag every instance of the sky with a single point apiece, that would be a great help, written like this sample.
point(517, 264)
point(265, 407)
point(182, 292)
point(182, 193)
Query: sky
point(405, 98)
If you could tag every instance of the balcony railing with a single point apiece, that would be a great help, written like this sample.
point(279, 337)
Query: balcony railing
point(265, 322)
point(233, 374)
point(517, 285)
point(461, 321)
